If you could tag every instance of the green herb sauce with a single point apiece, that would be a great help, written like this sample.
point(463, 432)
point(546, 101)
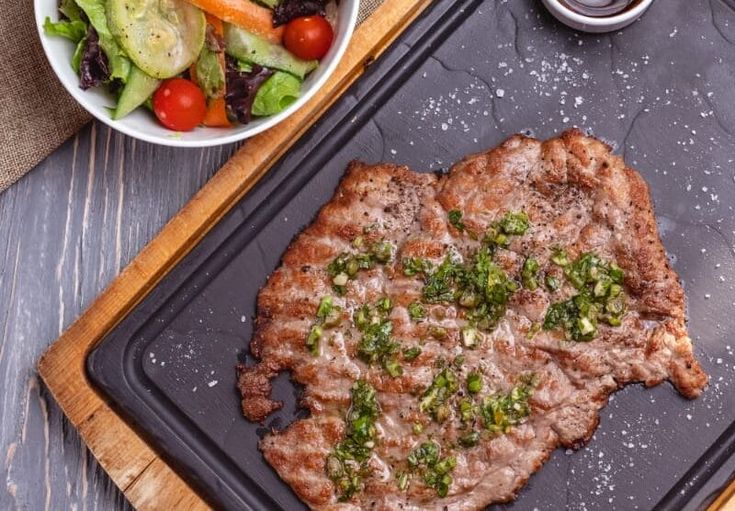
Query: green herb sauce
point(415, 265)
point(328, 316)
point(345, 267)
point(377, 345)
point(435, 397)
point(600, 297)
point(416, 311)
point(502, 411)
point(455, 218)
point(347, 464)
point(434, 470)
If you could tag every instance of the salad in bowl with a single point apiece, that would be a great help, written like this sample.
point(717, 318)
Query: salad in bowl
point(197, 71)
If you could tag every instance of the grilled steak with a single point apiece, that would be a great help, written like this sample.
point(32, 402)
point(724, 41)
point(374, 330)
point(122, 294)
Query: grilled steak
point(451, 331)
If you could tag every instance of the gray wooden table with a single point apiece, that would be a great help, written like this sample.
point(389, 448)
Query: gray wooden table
point(66, 230)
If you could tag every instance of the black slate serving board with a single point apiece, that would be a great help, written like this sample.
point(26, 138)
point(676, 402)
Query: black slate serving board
point(464, 77)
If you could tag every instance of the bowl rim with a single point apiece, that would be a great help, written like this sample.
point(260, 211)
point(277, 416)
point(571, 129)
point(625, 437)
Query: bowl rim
point(173, 141)
point(606, 21)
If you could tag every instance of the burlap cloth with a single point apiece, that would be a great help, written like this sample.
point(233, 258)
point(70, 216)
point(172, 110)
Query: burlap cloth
point(36, 113)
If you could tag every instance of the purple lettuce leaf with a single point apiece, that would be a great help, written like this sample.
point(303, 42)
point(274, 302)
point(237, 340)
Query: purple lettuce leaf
point(242, 87)
point(94, 68)
point(290, 9)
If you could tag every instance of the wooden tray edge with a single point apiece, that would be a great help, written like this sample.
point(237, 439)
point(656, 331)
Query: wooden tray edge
point(146, 480)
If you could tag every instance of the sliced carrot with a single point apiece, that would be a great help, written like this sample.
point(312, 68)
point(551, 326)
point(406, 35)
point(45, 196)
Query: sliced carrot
point(217, 25)
point(216, 115)
point(243, 13)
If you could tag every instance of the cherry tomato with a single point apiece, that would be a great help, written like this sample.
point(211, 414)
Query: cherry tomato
point(179, 104)
point(309, 37)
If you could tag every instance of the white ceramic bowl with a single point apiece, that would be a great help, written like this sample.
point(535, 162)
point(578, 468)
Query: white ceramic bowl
point(143, 125)
point(592, 24)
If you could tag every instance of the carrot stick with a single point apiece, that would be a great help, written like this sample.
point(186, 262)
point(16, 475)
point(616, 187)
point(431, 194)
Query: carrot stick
point(216, 114)
point(245, 14)
point(217, 25)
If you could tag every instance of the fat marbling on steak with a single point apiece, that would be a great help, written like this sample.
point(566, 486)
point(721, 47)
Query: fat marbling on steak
point(476, 380)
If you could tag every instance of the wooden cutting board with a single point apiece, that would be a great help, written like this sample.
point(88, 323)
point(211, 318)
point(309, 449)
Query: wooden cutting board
point(145, 479)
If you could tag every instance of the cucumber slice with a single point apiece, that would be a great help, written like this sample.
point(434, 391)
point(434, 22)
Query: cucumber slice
point(243, 45)
point(161, 37)
point(138, 88)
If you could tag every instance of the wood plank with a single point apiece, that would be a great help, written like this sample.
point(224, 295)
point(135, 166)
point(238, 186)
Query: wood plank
point(725, 501)
point(126, 455)
point(159, 487)
point(147, 480)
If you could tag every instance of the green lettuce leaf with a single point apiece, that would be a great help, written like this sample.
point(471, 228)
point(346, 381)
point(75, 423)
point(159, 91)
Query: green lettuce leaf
point(72, 30)
point(71, 10)
point(210, 75)
point(244, 67)
point(118, 62)
point(76, 59)
point(276, 93)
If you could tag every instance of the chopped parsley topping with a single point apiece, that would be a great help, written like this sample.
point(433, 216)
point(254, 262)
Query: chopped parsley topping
point(415, 265)
point(325, 307)
point(312, 340)
point(474, 383)
point(470, 439)
point(512, 224)
point(559, 256)
point(481, 287)
point(455, 218)
point(488, 289)
point(410, 354)
point(438, 332)
point(435, 471)
point(552, 283)
point(328, 315)
point(345, 267)
point(515, 223)
point(392, 367)
point(467, 409)
point(435, 397)
point(416, 311)
point(347, 464)
point(471, 337)
point(535, 328)
point(377, 345)
point(382, 252)
point(439, 286)
point(528, 274)
point(402, 480)
point(384, 305)
point(600, 298)
point(502, 411)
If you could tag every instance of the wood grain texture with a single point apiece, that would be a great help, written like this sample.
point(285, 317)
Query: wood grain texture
point(107, 224)
point(66, 230)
